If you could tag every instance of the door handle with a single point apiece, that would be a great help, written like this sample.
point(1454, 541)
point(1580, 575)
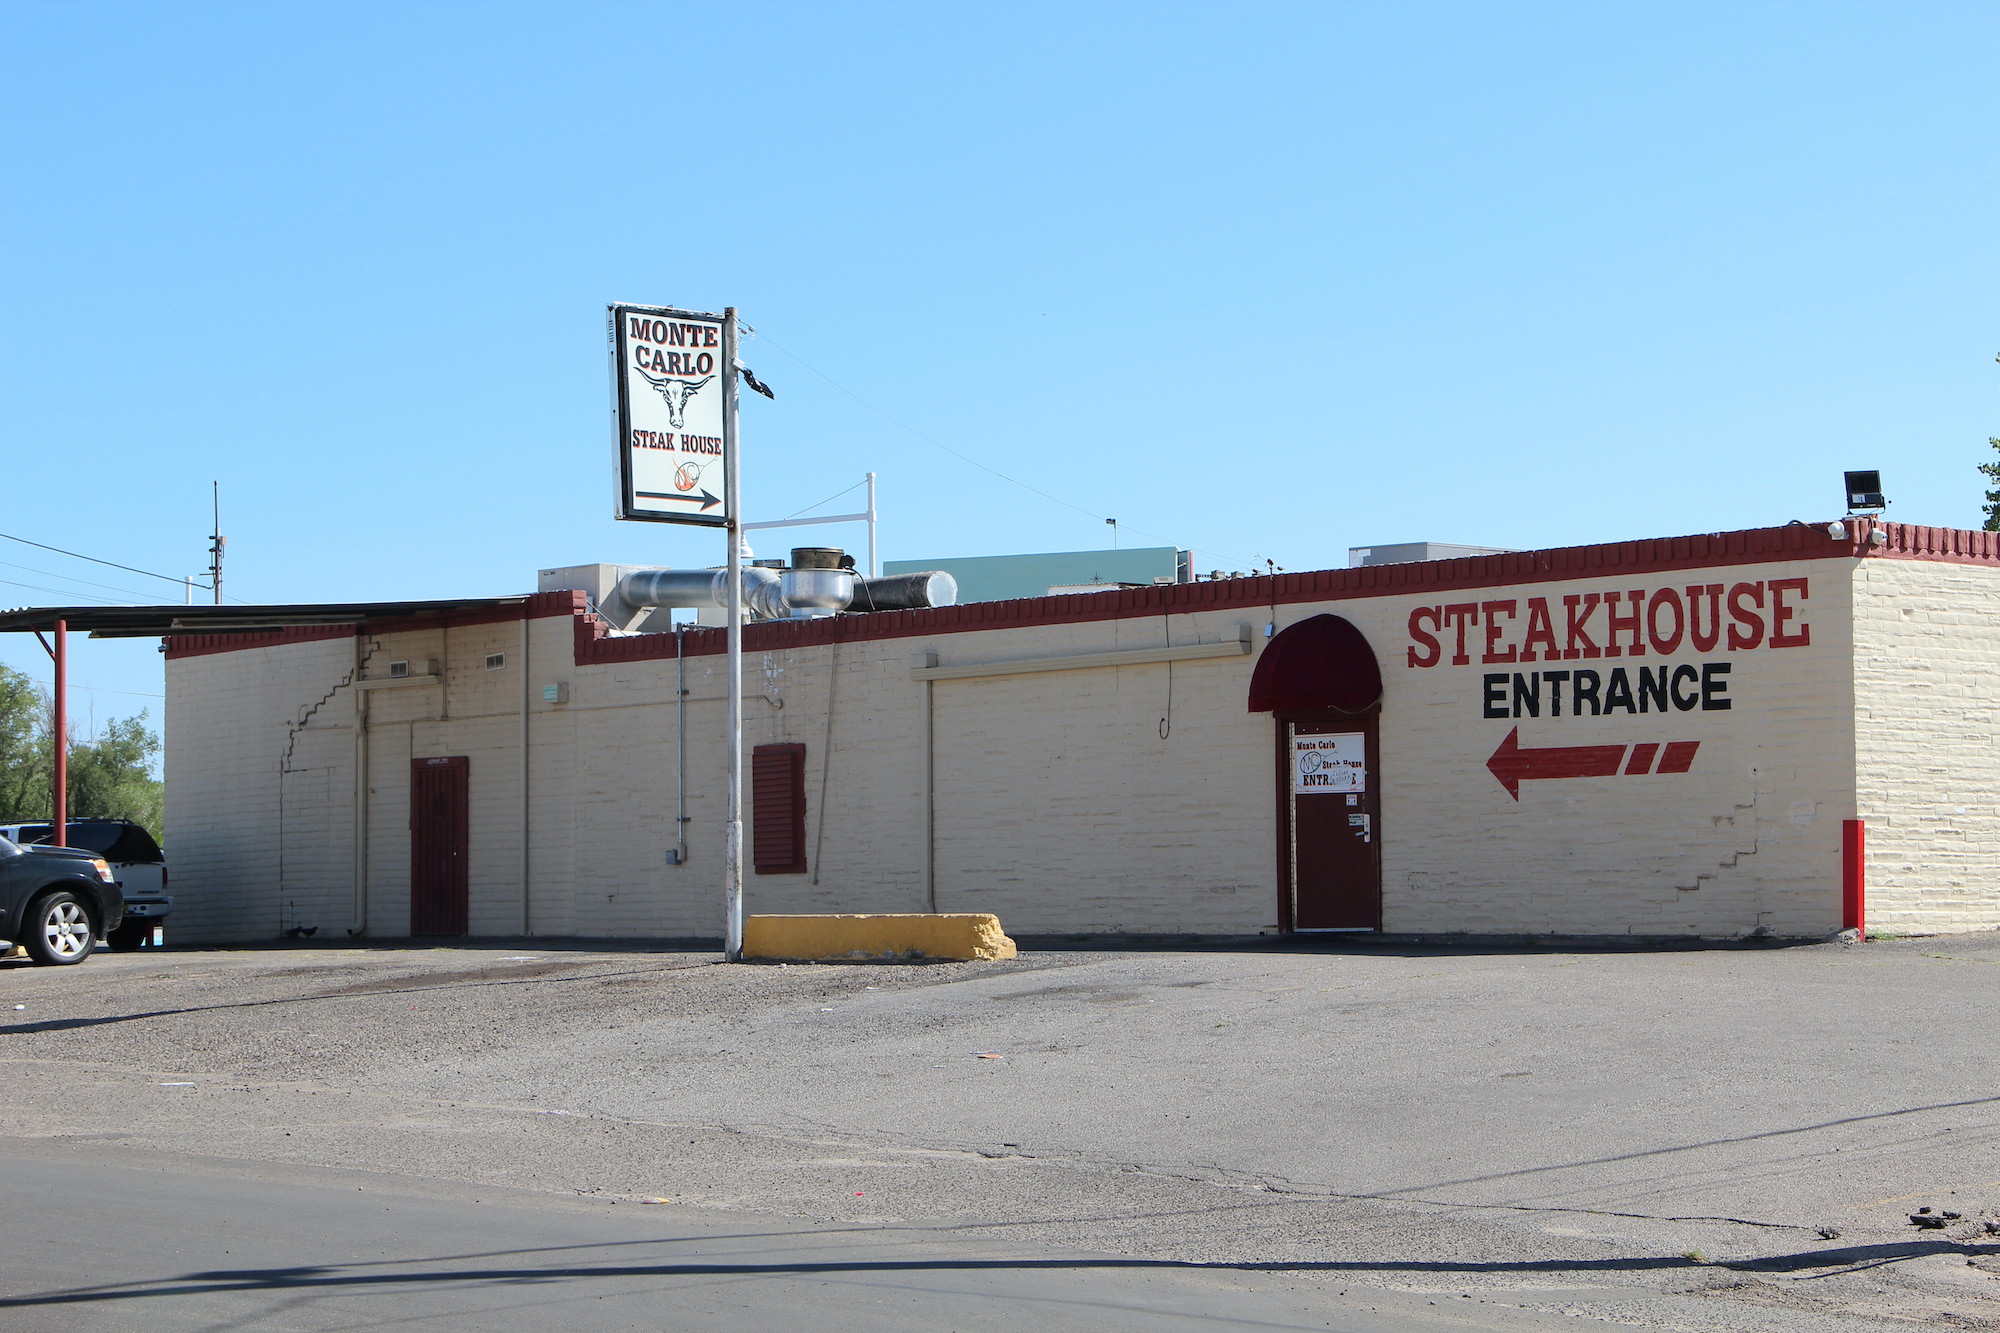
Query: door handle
point(1360, 823)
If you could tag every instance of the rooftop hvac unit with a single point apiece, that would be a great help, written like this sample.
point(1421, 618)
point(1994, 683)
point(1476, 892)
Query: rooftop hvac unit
point(1404, 553)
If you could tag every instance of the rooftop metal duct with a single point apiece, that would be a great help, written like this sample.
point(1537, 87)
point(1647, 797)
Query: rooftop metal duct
point(700, 589)
point(819, 582)
point(905, 592)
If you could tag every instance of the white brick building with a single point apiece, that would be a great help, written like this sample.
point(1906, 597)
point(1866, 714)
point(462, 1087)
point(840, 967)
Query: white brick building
point(1654, 738)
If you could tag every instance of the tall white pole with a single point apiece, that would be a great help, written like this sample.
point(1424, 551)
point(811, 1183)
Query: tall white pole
point(732, 498)
point(874, 566)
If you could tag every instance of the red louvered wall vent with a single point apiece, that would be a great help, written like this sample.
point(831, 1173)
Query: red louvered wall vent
point(778, 809)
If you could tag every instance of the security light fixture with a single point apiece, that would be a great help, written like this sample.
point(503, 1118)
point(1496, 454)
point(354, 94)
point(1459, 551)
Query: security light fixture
point(1864, 492)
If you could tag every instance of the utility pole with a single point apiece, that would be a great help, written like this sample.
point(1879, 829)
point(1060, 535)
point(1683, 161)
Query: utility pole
point(215, 544)
point(732, 484)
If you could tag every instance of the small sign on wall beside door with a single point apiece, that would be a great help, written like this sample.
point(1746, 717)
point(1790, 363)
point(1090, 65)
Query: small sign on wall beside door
point(1335, 763)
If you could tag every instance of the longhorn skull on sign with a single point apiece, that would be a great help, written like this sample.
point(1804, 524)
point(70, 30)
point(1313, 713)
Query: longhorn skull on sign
point(676, 392)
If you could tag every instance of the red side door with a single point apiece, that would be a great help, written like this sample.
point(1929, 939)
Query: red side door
point(439, 820)
point(1330, 844)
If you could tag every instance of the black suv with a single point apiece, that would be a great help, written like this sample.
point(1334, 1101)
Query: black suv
point(56, 900)
point(136, 863)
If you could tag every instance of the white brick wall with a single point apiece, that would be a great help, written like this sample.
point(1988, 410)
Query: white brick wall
point(1747, 839)
point(1058, 802)
point(1927, 723)
point(259, 790)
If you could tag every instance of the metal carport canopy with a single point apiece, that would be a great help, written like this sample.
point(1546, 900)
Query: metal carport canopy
point(154, 622)
point(146, 622)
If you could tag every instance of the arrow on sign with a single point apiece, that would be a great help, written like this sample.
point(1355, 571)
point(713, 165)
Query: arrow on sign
point(705, 499)
point(1513, 765)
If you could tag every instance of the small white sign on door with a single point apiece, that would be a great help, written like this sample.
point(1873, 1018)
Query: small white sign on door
point(1329, 763)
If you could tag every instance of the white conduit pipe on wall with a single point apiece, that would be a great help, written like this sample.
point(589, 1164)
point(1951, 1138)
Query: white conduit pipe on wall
point(680, 746)
point(527, 806)
point(920, 665)
point(358, 922)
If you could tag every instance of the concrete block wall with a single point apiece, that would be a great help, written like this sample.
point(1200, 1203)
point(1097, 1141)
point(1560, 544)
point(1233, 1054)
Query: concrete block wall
point(1747, 840)
point(1927, 722)
point(474, 712)
point(259, 790)
point(1121, 798)
point(1129, 798)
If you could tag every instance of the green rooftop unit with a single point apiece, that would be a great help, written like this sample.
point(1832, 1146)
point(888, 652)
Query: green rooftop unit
point(1000, 578)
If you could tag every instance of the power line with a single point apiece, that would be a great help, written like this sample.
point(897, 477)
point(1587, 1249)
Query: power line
point(105, 689)
point(94, 560)
point(937, 444)
point(60, 592)
point(70, 578)
point(809, 508)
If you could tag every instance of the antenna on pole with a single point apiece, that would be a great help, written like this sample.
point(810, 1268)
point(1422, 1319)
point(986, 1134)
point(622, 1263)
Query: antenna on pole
point(216, 542)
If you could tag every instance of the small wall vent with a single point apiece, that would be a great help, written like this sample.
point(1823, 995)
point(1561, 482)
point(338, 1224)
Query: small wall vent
point(397, 670)
point(494, 661)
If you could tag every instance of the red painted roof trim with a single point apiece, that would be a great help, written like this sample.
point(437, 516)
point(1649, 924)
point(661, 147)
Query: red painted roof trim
point(1443, 577)
point(594, 644)
point(201, 645)
point(1950, 546)
point(539, 606)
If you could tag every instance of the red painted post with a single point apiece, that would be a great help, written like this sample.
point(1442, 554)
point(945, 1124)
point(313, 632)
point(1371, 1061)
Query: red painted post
point(61, 739)
point(1854, 876)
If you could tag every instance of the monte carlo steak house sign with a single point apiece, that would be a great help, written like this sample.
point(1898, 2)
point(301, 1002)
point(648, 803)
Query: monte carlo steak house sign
point(670, 385)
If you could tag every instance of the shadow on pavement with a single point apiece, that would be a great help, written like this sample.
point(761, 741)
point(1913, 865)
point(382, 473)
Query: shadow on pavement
point(408, 985)
point(1395, 946)
point(337, 1277)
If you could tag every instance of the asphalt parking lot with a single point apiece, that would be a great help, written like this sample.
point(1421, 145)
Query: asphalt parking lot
point(1721, 1138)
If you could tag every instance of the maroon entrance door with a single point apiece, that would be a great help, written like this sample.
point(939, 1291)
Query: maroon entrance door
point(438, 827)
point(1320, 681)
point(1329, 794)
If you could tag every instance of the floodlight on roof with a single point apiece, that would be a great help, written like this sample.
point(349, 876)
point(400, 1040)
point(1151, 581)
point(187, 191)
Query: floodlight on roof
point(1864, 492)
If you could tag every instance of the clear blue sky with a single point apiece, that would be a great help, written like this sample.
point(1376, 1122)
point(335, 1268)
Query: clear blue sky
point(1263, 280)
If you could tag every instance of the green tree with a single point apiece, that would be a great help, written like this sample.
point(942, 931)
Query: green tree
point(1992, 471)
point(110, 775)
point(24, 748)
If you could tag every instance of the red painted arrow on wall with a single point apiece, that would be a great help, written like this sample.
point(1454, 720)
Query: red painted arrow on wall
point(1514, 765)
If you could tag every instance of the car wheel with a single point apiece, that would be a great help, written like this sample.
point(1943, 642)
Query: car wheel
point(60, 930)
point(125, 938)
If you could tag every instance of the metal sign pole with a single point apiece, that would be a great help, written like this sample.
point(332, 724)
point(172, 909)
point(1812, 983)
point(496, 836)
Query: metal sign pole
point(60, 725)
point(732, 854)
point(675, 400)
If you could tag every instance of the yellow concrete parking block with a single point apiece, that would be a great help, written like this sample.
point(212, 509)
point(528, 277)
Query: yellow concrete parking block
point(967, 935)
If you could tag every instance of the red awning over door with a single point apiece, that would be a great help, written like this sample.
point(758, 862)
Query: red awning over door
point(1323, 662)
